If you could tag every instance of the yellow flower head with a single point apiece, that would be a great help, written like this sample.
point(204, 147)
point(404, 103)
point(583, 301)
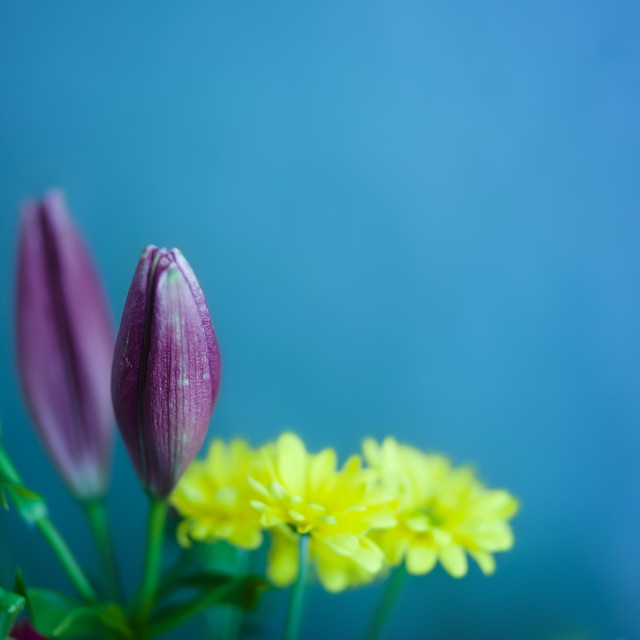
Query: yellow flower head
point(213, 496)
point(443, 512)
point(306, 494)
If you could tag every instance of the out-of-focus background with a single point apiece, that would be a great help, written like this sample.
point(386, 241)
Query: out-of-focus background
point(409, 218)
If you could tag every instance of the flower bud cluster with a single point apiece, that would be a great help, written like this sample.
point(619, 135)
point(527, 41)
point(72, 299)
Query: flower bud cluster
point(164, 372)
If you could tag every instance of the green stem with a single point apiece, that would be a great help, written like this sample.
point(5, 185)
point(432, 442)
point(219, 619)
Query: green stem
point(179, 614)
point(232, 615)
point(7, 470)
point(97, 515)
point(294, 617)
point(155, 535)
point(387, 604)
point(60, 548)
point(34, 511)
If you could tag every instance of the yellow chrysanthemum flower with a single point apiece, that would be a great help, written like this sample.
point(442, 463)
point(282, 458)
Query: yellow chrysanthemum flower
point(214, 497)
point(306, 494)
point(443, 514)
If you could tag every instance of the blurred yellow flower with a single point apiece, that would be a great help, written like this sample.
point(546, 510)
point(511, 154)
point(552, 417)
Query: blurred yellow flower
point(214, 496)
point(306, 494)
point(443, 513)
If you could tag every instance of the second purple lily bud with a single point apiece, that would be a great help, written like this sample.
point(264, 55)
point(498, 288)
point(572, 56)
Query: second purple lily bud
point(64, 344)
point(166, 369)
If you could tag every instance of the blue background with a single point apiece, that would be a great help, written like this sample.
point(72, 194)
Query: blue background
point(409, 218)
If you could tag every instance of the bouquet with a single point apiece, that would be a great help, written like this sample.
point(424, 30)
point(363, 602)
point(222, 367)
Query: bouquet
point(385, 512)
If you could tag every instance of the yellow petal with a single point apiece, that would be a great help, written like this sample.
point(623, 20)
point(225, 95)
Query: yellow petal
point(369, 557)
point(227, 496)
point(382, 521)
point(250, 538)
point(240, 451)
point(356, 508)
point(277, 490)
point(454, 560)
point(486, 562)
point(441, 537)
point(496, 503)
point(269, 519)
point(258, 487)
point(495, 537)
point(292, 463)
point(182, 533)
point(218, 460)
point(371, 452)
point(420, 560)
point(419, 524)
point(190, 491)
point(394, 547)
point(321, 466)
point(352, 465)
point(390, 453)
point(296, 515)
point(333, 578)
point(282, 567)
point(346, 544)
point(223, 531)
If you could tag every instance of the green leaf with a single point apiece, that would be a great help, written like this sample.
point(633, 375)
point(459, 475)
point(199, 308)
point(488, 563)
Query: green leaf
point(110, 615)
point(195, 580)
point(3, 499)
point(245, 594)
point(29, 504)
point(11, 605)
point(23, 492)
point(113, 617)
point(19, 586)
point(49, 608)
point(58, 616)
point(216, 589)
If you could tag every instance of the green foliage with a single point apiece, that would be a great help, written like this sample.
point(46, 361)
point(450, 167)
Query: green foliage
point(56, 615)
point(29, 504)
point(11, 604)
point(240, 591)
point(211, 588)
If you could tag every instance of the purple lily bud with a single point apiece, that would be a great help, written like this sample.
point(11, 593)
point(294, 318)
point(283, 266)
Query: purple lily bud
point(166, 369)
point(64, 340)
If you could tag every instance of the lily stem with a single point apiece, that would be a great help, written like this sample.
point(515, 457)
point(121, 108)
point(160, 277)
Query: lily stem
point(40, 518)
point(232, 616)
point(60, 548)
point(155, 536)
point(387, 604)
point(97, 516)
point(296, 603)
